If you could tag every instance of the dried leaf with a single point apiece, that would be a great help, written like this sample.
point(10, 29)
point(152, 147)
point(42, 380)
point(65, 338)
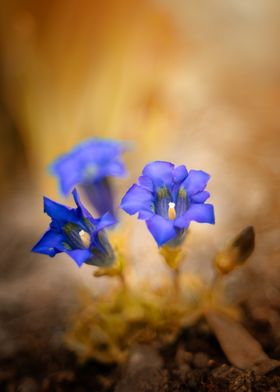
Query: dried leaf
point(241, 349)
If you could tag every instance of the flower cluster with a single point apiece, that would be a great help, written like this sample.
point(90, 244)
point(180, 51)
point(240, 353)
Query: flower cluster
point(168, 198)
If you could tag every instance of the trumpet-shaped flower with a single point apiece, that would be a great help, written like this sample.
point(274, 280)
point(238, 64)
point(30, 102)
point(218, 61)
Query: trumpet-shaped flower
point(90, 165)
point(75, 232)
point(168, 198)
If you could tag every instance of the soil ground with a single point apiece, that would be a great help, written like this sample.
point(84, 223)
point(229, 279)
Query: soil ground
point(194, 362)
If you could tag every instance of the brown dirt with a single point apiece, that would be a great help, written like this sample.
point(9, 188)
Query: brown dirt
point(194, 363)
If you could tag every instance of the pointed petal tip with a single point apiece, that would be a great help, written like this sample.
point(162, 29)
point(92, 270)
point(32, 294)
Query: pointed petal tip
point(106, 220)
point(76, 197)
point(212, 219)
point(51, 252)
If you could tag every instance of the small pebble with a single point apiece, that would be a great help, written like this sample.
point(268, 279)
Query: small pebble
point(183, 356)
point(212, 363)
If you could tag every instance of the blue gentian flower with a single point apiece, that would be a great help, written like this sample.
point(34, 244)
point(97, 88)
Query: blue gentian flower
point(90, 165)
point(168, 198)
point(75, 232)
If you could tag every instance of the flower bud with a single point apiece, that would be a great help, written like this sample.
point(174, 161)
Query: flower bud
point(237, 252)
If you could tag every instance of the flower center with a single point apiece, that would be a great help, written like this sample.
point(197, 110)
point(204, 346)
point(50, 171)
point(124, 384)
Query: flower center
point(89, 172)
point(85, 238)
point(77, 238)
point(171, 211)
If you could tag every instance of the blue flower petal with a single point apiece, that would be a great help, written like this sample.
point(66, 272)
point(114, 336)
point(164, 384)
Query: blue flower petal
point(200, 197)
point(160, 172)
point(146, 182)
point(50, 244)
point(100, 151)
point(183, 221)
point(89, 161)
point(80, 256)
point(96, 151)
point(81, 208)
point(144, 215)
point(100, 195)
point(115, 169)
point(195, 182)
point(105, 221)
point(136, 199)
point(179, 174)
point(59, 212)
point(202, 213)
point(67, 172)
point(161, 229)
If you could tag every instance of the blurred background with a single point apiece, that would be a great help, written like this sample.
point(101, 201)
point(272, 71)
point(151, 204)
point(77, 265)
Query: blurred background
point(196, 83)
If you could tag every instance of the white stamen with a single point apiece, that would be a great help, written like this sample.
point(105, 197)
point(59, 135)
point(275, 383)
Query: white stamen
point(171, 210)
point(85, 238)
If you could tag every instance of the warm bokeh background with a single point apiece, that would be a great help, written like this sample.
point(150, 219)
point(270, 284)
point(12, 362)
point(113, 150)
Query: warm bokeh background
point(194, 82)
